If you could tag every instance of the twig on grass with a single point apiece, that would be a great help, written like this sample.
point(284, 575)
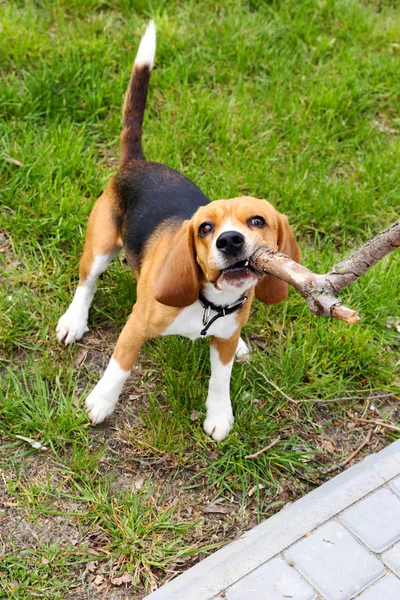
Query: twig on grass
point(13, 161)
point(275, 386)
point(271, 445)
point(344, 462)
point(318, 400)
point(357, 450)
point(327, 400)
point(380, 423)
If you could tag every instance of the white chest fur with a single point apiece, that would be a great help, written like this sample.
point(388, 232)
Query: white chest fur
point(189, 323)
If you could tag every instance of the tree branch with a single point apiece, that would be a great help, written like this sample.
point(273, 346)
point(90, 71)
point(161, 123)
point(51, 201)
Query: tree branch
point(321, 291)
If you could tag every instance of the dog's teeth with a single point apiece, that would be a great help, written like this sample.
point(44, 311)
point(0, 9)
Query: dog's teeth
point(246, 264)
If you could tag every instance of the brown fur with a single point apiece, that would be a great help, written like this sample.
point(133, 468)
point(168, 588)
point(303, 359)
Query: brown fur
point(154, 213)
point(133, 111)
point(177, 282)
point(181, 261)
point(176, 262)
point(102, 235)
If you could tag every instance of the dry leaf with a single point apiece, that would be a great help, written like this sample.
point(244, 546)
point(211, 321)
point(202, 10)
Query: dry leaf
point(260, 342)
point(260, 486)
point(80, 357)
point(216, 508)
point(391, 322)
point(13, 265)
point(33, 443)
point(98, 580)
point(284, 496)
point(195, 415)
point(91, 566)
point(138, 484)
point(91, 550)
point(45, 561)
point(328, 446)
point(127, 578)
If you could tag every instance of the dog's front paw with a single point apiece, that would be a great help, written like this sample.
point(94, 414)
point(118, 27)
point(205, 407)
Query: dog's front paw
point(71, 327)
point(218, 426)
point(99, 406)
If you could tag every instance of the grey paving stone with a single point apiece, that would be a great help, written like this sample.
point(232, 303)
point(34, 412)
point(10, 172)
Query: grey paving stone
point(375, 520)
point(387, 588)
point(395, 485)
point(391, 558)
point(273, 581)
point(334, 563)
point(262, 543)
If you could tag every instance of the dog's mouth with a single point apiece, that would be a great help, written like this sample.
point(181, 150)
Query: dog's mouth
point(237, 273)
point(238, 266)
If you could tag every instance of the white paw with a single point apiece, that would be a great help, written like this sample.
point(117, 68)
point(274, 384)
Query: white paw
point(99, 406)
point(218, 426)
point(242, 351)
point(71, 327)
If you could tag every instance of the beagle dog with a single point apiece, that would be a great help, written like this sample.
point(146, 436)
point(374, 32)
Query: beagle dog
point(190, 257)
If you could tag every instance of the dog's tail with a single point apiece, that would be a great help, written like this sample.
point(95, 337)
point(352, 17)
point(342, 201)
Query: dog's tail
point(135, 98)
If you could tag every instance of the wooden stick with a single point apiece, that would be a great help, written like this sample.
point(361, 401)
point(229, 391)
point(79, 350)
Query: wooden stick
point(357, 450)
point(321, 291)
point(271, 445)
point(318, 400)
point(380, 423)
point(343, 463)
point(275, 386)
point(13, 161)
point(343, 398)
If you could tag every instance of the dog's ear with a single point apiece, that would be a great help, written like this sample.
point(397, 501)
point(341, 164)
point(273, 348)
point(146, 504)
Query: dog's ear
point(270, 289)
point(177, 282)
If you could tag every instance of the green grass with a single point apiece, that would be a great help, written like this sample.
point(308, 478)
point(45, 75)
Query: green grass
point(296, 102)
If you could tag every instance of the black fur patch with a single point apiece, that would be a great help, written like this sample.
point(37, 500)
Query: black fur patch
point(150, 193)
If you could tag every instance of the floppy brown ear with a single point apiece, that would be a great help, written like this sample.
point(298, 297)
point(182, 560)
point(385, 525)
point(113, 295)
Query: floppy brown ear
point(270, 289)
point(177, 282)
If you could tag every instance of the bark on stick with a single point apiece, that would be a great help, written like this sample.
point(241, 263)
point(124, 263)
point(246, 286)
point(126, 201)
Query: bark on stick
point(321, 291)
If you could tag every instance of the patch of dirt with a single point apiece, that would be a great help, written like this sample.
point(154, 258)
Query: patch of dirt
point(130, 466)
point(8, 260)
point(383, 124)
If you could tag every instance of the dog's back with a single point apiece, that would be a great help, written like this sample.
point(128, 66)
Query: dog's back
point(149, 194)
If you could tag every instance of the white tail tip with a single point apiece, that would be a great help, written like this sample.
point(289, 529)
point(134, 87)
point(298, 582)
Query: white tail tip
point(147, 47)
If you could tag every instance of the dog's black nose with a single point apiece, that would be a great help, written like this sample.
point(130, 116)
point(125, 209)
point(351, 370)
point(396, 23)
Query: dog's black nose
point(230, 242)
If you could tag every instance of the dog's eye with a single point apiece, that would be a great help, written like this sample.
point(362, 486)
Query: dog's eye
point(256, 221)
point(205, 228)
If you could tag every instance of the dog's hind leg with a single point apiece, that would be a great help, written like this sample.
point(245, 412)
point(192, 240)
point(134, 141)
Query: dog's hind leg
point(102, 244)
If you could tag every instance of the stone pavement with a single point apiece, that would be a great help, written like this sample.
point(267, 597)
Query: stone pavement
point(338, 542)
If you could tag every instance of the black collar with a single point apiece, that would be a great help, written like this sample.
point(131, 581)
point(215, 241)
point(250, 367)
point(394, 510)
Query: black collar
point(221, 311)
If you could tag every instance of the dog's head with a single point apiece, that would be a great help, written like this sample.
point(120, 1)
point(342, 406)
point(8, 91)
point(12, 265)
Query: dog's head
point(215, 245)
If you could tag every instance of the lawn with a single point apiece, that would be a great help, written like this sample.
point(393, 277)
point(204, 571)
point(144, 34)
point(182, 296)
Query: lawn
point(295, 102)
